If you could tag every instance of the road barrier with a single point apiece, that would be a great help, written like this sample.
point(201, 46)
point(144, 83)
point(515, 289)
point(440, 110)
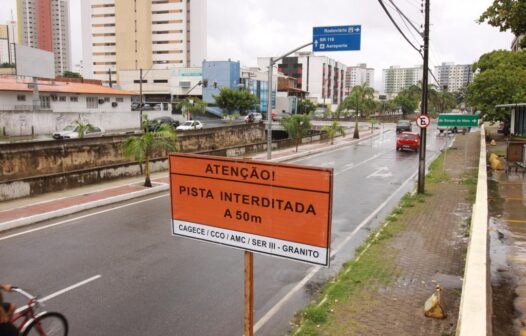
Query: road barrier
point(475, 312)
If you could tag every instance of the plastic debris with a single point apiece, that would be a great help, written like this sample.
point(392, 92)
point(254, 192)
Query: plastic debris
point(434, 307)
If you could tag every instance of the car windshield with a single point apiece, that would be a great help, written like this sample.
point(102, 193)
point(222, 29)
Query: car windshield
point(188, 123)
point(70, 128)
point(404, 123)
point(408, 136)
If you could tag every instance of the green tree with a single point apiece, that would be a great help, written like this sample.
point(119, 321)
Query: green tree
point(507, 14)
point(71, 74)
point(502, 80)
point(333, 129)
point(443, 101)
point(409, 99)
point(297, 126)
point(192, 106)
point(82, 128)
point(306, 106)
point(361, 101)
point(142, 147)
point(236, 100)
point(246, 101)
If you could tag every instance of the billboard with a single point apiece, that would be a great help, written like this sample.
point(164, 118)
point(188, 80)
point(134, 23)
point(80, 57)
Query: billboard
point(276, 209)
point(34, 62)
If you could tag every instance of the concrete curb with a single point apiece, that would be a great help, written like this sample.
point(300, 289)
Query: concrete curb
point(81, 207)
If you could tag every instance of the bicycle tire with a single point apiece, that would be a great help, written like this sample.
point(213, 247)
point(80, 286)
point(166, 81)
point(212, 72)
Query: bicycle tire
point(47, 320)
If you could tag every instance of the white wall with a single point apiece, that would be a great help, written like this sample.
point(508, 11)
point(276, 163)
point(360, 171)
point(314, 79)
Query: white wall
point(198, 32)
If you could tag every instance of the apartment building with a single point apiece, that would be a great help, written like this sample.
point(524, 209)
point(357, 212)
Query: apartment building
point(44, 24)
point(397, 78)
point(358, 75)
point(453, 77)
point(8, 36)
point(321, 77)
point(122, 35)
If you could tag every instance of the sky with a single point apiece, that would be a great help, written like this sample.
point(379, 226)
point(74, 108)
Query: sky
point(243, 30)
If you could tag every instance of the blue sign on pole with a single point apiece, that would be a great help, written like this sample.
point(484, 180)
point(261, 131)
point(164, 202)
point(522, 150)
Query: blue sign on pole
point(337, 38)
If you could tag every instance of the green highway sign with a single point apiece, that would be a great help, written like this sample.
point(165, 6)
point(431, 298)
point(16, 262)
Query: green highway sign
point(458, 120)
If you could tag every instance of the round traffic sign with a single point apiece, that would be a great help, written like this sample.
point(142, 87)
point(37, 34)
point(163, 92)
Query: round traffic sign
point(422, 121)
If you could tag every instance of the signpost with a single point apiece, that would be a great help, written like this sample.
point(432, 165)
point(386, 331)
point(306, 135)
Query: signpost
point(423, 121)
point(458, 120)
point(336, 38)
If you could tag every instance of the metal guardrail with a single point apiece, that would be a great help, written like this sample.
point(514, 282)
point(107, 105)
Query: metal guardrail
point(475, 314)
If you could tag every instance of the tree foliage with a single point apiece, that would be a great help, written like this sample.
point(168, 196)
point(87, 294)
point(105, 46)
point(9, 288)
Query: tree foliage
point(333, 129)
point(82, 128)
point(192, 106)
point(306, 106)
point(236, 100)
point(297, 126)
point(71, 74)
point(409, 99)
point(141, 148)
point(507, 14)
point(361, 100)
point(502, 80)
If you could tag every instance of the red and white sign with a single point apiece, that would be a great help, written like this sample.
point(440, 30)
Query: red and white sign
point(423, 121)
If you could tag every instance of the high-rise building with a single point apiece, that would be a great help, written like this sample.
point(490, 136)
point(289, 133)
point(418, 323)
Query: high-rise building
point(44, 24)
point(8, 36)
point(320, 76)
point(396, 78)
point(357, 75)
point(453, 77)
point(127, 35)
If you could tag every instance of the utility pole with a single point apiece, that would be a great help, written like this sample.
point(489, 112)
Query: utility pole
point(422, 152)
point(140, 93)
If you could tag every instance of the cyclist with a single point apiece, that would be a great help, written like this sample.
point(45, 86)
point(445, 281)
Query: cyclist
point(6, 313)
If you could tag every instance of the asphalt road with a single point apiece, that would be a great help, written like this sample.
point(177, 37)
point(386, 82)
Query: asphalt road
point(134, 278)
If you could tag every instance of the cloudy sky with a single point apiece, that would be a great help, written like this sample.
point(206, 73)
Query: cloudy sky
point(245, 29)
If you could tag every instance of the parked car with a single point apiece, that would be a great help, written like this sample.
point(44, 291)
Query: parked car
point(72, 132)
point(155, 124)
point(408, 140)
point(403, 126)
point(253, 117)
point(190, 125)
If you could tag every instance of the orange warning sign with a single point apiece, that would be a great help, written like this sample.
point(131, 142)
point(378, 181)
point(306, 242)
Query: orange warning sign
point(273, 208)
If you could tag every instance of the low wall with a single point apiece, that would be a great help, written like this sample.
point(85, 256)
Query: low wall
point(475, 313)
point(32, 168)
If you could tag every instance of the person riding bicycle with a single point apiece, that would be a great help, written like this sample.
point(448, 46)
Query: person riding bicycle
point(6, 314)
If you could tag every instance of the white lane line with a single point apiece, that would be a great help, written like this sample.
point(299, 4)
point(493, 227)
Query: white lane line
point(352, 166)
point(77, 218)
point(273, 311)
point(65, 290)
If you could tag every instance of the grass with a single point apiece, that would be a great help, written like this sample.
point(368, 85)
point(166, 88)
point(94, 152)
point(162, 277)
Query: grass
point(437, 173)
point(470, 180)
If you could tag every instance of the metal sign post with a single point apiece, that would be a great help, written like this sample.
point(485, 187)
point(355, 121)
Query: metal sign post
point(249, 293)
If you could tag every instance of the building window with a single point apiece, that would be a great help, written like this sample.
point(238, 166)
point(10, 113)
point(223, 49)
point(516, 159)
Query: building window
point(119, 100)
point(107, 99)
point(45, 102)
point(21, 97)
point(62, 98)
point(138, 81)
point(74, 99)
point(160, 80)
point(92, 102)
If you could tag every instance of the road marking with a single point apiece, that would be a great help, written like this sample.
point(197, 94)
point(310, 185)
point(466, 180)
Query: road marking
point(80, 217)
point(65, 290)
point(515, 221)
point(327, 164)
point(381, 172)
point(315, 269)
point(352, 165)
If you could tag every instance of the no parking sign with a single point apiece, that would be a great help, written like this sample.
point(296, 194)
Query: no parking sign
point(422, 121)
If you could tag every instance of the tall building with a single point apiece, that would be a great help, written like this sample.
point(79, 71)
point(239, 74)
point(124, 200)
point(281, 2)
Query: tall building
point(44, 24)
point(396, 78)
point(8, 36)
point(322, 77)
point(357, 75)
point(141, 34)
point(453, 77)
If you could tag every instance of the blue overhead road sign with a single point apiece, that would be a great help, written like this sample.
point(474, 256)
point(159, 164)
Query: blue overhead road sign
point(337, 38)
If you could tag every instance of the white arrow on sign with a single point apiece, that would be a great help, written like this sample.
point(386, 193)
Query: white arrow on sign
point(316, 43)
point(381, 172)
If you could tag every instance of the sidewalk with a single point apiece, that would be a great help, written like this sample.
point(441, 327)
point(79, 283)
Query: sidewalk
point(422, 244)
point(31, 210)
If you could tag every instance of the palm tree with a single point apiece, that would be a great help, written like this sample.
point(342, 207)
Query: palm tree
point(141, 148)
point(82, 128)
point(297, 126)
point(332, 129)
point(361, 100)
point(192, 106)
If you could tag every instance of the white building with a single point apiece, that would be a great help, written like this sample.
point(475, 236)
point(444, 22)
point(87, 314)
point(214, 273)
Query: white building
point(358, 75)
point(157, 35)
point(45, 25)
point(322, 77)
point(453, 77)
point(8, 35)
point(396, 79)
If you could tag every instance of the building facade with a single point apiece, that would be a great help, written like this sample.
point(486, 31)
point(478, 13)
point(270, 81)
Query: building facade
point(453, 77)
point(358, 75)
point(8, 36)
point(121, 35)
point(396, 79)
point(44, 24)
point(320, 76)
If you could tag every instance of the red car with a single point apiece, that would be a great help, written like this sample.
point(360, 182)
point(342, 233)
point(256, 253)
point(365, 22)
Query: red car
point(408, 140)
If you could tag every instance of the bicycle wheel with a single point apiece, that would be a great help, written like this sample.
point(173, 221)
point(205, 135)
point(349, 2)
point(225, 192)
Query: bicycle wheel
point(48, 324)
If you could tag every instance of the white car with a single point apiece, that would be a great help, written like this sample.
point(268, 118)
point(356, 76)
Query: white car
point(72, 132)
point(190, 125)
point(253, 117)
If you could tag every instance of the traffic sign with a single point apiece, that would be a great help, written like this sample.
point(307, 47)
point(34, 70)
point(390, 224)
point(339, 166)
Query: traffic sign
point(336, 38)
point(458, 120)
point(422, 121)
point(271, 208)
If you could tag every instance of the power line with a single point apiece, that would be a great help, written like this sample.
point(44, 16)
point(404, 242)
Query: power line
point(405, 17)
point(397, 27)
